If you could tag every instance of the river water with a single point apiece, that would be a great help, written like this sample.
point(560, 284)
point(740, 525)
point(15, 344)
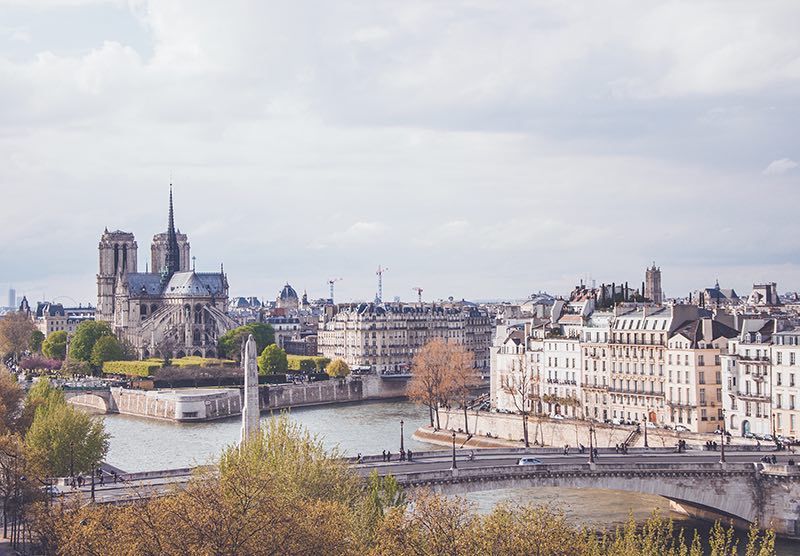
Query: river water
point(139, 444)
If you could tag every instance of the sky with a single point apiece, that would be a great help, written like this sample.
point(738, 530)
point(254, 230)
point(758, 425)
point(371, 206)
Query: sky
point(475, 149)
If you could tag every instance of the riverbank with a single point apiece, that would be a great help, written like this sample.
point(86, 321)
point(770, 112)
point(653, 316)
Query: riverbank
point(505, 429)
point(445, 438)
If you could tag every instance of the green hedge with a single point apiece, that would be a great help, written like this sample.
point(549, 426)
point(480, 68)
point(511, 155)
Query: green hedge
point(307, 362)
point(195, 361)
point(130, 368)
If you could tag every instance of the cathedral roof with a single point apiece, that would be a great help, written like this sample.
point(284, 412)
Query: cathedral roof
point(193, 284)
point(144, 283)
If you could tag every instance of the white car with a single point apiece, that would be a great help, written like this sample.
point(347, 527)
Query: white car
point(681, 428)
point(558, 417)
point(529, 461)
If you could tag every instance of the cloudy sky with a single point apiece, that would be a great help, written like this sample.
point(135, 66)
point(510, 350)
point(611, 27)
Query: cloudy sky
point(476, 149)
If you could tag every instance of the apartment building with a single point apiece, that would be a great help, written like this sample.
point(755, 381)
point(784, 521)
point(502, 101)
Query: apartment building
point(785, 358)
point(747, 369)
point(594, 341)
point(387, 336)
point(694, 374)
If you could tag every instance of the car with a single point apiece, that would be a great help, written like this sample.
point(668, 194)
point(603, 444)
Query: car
point(558, 417)
point(718, 431)
point(768, 438)
point(616, 421)
point(681, 428)
point(749, 435)
point(52, 490)
point(529, 461)
point(650, 425)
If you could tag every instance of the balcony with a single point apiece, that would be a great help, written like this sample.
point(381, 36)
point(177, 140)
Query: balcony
point(754, 397)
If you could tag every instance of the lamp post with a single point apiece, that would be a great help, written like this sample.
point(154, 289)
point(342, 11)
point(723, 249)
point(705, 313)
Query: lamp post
point(402, 450)
point(591, 445)
point(645, 433)
point(454, 450)
point(722, 444)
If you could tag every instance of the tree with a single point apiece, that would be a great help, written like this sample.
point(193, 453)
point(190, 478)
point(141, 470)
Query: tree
point(230, 343)
point(63, 439)
point(273, 361)
point(16, 333)
point(106, 348)
point(518, 385)
point(464, 378)
point(337, 369)
point(11, 396)
point(37, 337)
point(86, 335)
point(55, 346)
point(431, 377)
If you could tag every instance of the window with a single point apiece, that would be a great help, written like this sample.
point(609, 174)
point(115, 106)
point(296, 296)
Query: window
point(779, 358)
point(700, 361)
point(778, 379)
point(791, 358)
point(701, 377)
point(778, 399)
point(702, 396)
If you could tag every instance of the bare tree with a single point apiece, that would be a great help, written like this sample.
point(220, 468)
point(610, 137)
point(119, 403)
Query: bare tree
point(431, 378)
point(16, 333)
point(464, 378)
point(517, 384)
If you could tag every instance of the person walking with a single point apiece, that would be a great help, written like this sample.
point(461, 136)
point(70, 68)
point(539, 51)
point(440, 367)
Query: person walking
point(409, 454)
point(384, 455)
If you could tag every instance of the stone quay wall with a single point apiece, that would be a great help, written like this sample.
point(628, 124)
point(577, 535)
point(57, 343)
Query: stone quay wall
point(508, 427)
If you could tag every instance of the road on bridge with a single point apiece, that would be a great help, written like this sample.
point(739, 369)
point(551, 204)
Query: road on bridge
point(155, 484)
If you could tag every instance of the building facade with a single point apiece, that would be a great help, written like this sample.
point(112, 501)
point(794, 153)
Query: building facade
point(387, 336)
point(168, 311)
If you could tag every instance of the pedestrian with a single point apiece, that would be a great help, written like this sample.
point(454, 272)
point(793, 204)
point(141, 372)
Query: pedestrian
point(402, 455)
point(409, 454)
point(358, 460)
point(388, 455)
point(774, 458)
point(114, 473)
point(595, 453)
point(102, 479)
point(616, 447)
point(384, 455)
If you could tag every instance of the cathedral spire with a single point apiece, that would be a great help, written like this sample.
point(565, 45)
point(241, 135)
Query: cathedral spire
point(172, 263)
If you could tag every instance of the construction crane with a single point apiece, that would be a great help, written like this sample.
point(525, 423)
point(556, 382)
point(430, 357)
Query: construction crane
point(419, 293)
point(379, 272)
point(331, 282)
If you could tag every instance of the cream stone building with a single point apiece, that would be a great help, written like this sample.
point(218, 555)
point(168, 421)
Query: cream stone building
point(694, 374)
point(170, 311)
point(386, 336)
point(785, 378)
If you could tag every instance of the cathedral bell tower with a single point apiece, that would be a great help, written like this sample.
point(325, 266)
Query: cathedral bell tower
point(117, 258)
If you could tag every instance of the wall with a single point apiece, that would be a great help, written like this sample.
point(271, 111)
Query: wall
point(377, 388)
point(569, 431)
point(316, 393)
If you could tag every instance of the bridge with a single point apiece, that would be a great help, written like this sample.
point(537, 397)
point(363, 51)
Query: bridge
point(98, 398)
point(742, 490)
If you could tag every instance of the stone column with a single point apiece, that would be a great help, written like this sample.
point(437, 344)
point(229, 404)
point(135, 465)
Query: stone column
point(250, 408)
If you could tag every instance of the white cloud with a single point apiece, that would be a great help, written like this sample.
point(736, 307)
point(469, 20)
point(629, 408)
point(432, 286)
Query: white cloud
point(779, 167)
point(499, 146)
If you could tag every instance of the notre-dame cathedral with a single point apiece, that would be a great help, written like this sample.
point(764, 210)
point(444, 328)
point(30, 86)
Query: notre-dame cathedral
point(170, 310)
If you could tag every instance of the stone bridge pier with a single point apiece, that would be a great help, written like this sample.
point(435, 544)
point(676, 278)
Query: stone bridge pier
point(741, 493)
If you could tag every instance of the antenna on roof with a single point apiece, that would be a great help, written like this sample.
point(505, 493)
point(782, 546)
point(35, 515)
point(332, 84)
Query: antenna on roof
point(194, 263)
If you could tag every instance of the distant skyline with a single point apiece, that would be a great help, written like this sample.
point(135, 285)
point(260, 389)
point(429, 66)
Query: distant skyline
point(477, 151)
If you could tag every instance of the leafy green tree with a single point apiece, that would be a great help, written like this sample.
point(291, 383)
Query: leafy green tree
point(55, 346)
point(63, 439)
point(337, 369)
point(86, 335)
point(105, 349)
point(16, 332)
point(322, 363)
point(230, 343)
point(37, 337)
point(272, 361)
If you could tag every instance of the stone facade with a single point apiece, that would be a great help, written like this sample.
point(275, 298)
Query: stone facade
point(171, 312)
point(386, 336)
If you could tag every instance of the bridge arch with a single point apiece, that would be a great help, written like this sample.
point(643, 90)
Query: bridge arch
point(99, 401)
point(728, 493)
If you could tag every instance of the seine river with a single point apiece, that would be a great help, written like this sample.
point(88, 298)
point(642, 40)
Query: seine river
point(139, 444)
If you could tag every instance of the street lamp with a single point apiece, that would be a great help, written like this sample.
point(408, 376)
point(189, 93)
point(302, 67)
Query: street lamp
point(591, 446)
point(724, 436)
point(645, 433)
point(402, 450)
point(454, 450)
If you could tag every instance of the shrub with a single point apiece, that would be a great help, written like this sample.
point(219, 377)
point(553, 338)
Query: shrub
point(130, 368)
point(307, 363)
